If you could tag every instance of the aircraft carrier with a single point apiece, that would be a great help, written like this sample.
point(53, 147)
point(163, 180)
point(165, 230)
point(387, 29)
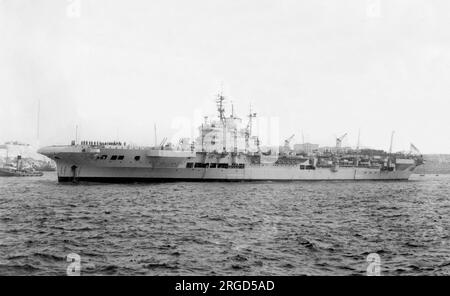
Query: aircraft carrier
point(226, 150)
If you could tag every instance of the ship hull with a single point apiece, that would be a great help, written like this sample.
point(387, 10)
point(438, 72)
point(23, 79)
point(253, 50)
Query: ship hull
point(130, 175)
point(171, 180)
point(79, 163)
point(16, 173)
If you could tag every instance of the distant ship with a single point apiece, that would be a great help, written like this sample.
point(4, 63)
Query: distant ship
point(211, 158)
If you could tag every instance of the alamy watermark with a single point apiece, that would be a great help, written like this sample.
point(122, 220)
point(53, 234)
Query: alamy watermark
point(373, 8)
point(73, 8)
point(74, 268)
point(374, 267)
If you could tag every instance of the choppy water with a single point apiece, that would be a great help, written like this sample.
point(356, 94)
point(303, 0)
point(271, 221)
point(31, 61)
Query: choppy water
point(312, 228)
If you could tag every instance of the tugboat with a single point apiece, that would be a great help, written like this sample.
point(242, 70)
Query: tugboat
point(9, 170)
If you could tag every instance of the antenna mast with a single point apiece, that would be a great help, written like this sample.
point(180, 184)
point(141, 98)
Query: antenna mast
point(203, 139)
point(221, 109)
point(76, 134)
point(357, 148)
point(232, 109)
point(235, 140)
point(359, 138)
point(156, 140)
point(390, 150)
point(392, 140)
point(248, 131)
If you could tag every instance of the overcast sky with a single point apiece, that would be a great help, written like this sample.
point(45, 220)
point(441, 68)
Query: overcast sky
point(322, 67)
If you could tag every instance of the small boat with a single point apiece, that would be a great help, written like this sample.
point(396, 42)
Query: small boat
point(13, 172)
point(8, 170)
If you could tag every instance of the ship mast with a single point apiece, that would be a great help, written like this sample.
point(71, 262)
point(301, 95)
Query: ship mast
point(19, 165)
point(7, 154)
point(390, 150)
point(76, 134)
point(156, 139)
point(221, 109)
point(357, 147)
point(203, 139)
point(258, 145)
point(392, 140)
point(232, 110)
point(235, 141)
point(248, 131)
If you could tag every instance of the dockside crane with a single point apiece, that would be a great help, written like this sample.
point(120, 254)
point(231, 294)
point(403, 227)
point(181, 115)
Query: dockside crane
point(339, 141)
point(414, 150)
point(163, 142)
point(287, 142)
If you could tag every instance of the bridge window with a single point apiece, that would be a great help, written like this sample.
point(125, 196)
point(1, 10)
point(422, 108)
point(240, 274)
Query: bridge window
point(189, 165)
point(120, 157)
point(213, 165)
point(104, 157)
point(222, 165)
point(114, 157)
point(137, 158)
point(241, 165)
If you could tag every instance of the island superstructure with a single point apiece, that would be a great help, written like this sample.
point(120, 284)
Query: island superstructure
point(225, 150)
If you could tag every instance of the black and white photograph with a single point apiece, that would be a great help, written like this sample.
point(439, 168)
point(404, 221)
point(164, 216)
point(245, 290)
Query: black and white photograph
point(251, 139)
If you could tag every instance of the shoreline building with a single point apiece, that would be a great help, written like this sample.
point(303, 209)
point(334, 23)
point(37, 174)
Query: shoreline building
point(307, 148)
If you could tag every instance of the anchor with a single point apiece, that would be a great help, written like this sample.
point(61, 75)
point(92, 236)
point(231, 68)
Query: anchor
point(74, 174)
